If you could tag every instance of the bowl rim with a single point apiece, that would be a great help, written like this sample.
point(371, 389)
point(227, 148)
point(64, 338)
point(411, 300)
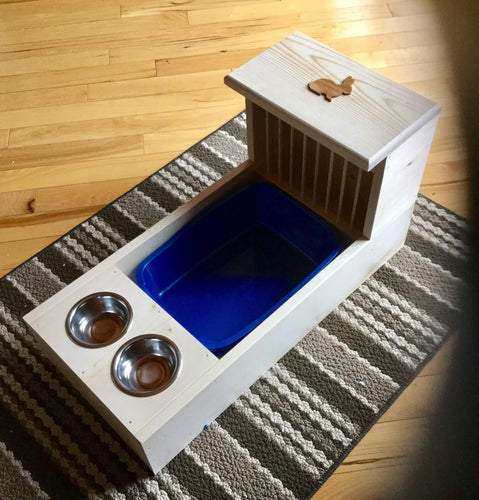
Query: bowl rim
point(84, 299)
point(156, 390)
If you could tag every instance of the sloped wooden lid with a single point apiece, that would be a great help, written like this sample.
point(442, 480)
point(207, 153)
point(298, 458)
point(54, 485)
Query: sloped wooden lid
point(364, 126)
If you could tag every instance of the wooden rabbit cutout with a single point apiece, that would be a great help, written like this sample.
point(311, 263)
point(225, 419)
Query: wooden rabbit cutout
point(329, 89)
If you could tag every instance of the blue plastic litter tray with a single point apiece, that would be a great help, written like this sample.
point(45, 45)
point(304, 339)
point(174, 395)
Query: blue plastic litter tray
point(229, 268)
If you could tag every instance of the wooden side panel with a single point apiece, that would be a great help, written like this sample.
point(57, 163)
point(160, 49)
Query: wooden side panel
point(398, 178)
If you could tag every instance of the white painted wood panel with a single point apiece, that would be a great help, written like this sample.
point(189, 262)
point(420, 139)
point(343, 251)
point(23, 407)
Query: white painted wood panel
point(206, 385)
point(363, 127)
point(398, 179)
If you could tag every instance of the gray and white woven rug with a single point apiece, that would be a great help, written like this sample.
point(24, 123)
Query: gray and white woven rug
point(285, 435)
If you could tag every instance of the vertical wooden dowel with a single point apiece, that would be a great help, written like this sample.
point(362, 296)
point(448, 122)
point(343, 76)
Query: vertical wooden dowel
point(268, 145)
point(356, 197)
point(291, 158)
point(316, 172)
point(328, 185)
point(268, 159)
point(280, 148)
point(341, 191)
point(250, 129)
point(303, 165)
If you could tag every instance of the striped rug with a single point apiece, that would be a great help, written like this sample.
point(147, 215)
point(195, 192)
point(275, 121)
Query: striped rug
point(286, 434)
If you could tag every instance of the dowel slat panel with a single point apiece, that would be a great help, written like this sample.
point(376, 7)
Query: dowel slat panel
point(311, 172)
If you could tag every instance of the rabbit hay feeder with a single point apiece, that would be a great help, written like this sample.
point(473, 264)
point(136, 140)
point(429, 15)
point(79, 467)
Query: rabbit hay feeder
point(169, 330)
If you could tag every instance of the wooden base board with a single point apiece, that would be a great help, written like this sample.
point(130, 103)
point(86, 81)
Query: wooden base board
point(158, 427)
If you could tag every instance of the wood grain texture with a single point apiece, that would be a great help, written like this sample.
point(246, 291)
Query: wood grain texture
point(363, 128)
point(169, 59)
point(4, 138)
point(61, 78)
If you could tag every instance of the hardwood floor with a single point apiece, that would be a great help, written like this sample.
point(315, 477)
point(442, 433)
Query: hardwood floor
point(95, 96)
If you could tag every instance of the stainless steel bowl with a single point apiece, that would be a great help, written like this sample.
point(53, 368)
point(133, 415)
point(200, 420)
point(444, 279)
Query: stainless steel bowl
point(99, 319)
point(146, 365)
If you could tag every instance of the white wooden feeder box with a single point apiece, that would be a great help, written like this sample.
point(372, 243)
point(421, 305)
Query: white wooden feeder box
point(164, 334)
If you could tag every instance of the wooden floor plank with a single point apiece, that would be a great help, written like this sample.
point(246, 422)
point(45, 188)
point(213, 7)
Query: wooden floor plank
point(440, 90)
point(427, 391)
point(17, 202)
point(269, 10)
point(386, 25)
point(4, 138)
point(156, 142)
point(386, 41)
point(53, 62)
point(76, 173)
point(409, 55)
point(128, 106)
point(55, 12)
point(449, 126)
point(90, 194)
point(100, 33)
point(441, 362)
point(34, 227)
point(206, 116)
point(454, 171)
point(168, 84)
point(408, 8)
point(43, 97)
point(364, 484)
point(408, 73)
point(449, 156)
point(13, 254)
point(218, 59)
point(232, 38)
point(451, 195)
point(452, 142)
point(134, 8)
point(266, 32)
point(15, 158)
point(77, 76)
point(377, 450)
